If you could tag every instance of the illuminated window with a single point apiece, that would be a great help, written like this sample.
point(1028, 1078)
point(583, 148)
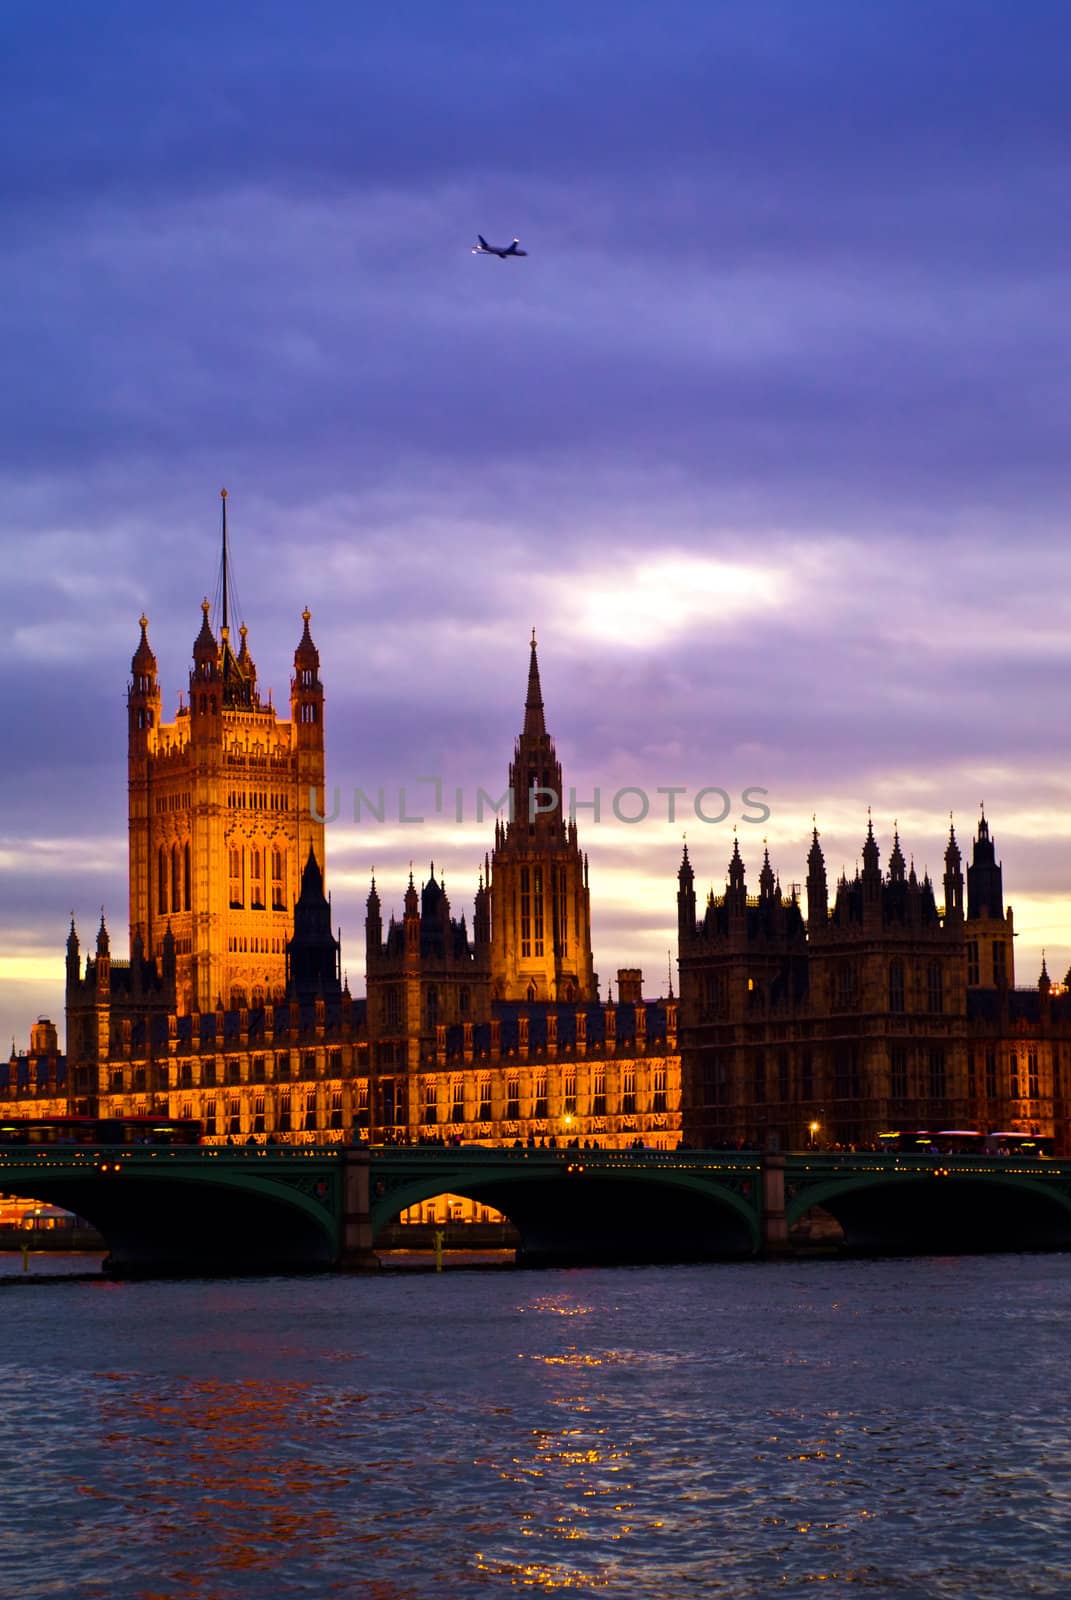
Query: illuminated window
point(234, 1116)
point(237, 895)
point(310, 1109)
point(457, 1103)
point(1033, 1089)
point(628, 1091)
point(284, 1111)
point(526, 913)
point(278, 879)
point(537, 911)
point(161, 880)
point(485, 1099)
point(258, 1114)
point(431, 1104)
point(598, 1093)
point(569, 1093)
point(540, 1095)
point(658, 1102)
point(186, 876)
point(256, 879)
point(336, 1108)
point(513, 1099)
point(176, 878)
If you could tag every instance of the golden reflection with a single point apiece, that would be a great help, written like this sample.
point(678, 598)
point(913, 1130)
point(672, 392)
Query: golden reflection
point(201, 1460)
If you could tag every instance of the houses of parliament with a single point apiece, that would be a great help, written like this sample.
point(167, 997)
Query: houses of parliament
point(878, 1005)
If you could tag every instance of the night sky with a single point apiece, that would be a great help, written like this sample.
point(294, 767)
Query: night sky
point(767, 436)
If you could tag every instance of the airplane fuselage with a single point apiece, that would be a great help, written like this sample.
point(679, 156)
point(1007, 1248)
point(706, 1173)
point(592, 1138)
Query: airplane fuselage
point(502, 251)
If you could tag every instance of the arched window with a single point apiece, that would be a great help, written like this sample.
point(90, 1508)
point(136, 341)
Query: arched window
point(176, 878)
point(186, 876)
point(237, 898)
point(161, 880)
point(278, 879)
point(531, 991)
point(256, 879)
point(896, 986)
point(934, 987)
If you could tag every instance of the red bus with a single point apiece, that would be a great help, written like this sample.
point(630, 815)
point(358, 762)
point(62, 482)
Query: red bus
point(100, 1130)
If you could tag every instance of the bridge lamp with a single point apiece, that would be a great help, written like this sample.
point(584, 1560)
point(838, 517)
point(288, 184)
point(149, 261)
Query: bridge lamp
point(568, 1120)
point(815, 1130)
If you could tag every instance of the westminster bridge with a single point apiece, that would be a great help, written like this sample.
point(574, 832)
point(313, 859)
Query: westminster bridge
point(259, 1208)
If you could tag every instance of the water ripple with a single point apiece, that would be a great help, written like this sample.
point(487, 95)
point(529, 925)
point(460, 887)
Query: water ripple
point(895, 1428)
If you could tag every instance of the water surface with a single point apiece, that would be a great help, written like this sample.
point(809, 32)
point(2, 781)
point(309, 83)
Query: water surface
point(889, 1428)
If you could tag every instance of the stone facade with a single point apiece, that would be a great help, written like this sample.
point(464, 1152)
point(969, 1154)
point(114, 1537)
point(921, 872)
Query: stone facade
point(884, 1012)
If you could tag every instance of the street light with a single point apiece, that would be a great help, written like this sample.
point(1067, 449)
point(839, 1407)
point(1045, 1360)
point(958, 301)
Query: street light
point(815, 1129)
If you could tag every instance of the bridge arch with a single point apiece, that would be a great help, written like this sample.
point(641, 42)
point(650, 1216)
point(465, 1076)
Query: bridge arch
point(577, 1212)
point(182, 1218)
point(940, 1210)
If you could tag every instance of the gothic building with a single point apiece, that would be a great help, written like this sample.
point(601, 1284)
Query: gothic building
point(867, 1009)
point(220, 822)
point(881, 1012)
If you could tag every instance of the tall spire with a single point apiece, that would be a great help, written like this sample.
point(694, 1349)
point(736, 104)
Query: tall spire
point(533, 705)
point(223, 501)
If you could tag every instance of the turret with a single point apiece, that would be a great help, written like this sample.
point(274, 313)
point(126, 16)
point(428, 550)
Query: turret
point(817, 887)
point(306, 690)
point(897, 864)
point(481, 917)
point(307, 715)
point(313, 956)
point(871, 865)
point(985, 877)
point(143, 693)
point(103, 964)
point(412, 919)
point(685, 898)
point(767, 883)
point(373, 924)
point(74, 960)
point(953, 879)
point(736, 896)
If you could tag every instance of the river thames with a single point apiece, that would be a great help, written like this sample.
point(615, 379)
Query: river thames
point(890, 1428)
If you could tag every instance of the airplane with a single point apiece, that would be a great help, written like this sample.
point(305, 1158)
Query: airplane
point(482, 248)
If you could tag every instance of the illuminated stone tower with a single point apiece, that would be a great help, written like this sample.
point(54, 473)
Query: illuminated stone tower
point(220, 820)
point(540, 911)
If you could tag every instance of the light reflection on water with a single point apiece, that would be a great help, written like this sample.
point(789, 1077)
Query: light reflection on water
point(897, 1428)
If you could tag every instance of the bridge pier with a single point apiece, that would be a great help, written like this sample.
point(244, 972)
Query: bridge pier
point(774, 1223)
point(355, 1253)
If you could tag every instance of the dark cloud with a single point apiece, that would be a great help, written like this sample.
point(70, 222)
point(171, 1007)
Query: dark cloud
point(766, 435)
